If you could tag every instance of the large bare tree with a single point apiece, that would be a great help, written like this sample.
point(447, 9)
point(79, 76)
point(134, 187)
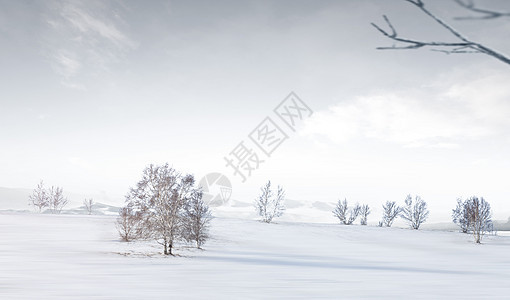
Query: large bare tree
point(461, 44)
point(160, 197)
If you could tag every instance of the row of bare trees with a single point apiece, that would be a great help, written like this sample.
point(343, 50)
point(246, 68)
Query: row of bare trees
point(414, 212)
point(165, 206)
point(48, 198)
point(472, 215)
point(53, 199)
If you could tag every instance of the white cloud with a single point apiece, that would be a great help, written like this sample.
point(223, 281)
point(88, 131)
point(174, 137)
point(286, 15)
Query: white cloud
point(80, 19)
point(65, 64)
point(84, 38)
point(447, 116)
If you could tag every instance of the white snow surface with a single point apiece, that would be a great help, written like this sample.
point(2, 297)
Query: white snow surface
point(81, 257)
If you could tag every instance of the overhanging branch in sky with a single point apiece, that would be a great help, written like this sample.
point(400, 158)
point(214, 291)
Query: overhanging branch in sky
point(462, 45)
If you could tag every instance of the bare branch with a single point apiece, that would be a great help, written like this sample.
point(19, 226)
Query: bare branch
point(463, 46)
point(485, 13)
point(454, 51)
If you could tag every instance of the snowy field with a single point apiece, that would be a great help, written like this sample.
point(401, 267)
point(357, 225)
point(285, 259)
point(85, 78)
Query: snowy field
point(81, 257)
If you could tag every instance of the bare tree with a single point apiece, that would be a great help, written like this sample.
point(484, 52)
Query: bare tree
point(340, 211)
point(390, 212)
point(460, 216)
point(56, 199)
point(346, 215)
point(165, 206)
point(89, 204)
point(161, 195)
point(39, 197)
point(198, 218)
point(462, 45)
point(473, 215)
point(129, 223)
point(270, 205)
point(353, 214)
point(414, 212)
point(479, 216)
point(364, 212)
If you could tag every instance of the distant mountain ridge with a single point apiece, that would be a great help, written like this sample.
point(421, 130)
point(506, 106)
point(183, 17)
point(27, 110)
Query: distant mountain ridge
point(14, 198)
point(17, 199)
point(97, 209)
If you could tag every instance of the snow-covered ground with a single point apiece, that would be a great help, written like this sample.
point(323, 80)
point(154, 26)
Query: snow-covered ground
point(81, 257)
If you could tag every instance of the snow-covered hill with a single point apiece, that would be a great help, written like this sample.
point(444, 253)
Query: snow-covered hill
point(14, 199)
point(97, 209)
point(81, 257)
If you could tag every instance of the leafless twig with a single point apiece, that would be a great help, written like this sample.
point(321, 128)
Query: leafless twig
point(485, 13)
point(464, 45)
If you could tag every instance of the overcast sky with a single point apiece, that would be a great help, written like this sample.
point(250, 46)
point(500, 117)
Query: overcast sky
point(93, 91)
